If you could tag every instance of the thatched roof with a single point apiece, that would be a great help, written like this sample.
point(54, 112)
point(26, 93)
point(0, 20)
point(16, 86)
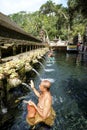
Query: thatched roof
point(7, 23)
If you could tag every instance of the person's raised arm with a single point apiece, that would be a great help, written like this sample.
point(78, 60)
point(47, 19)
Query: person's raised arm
point(34, 89)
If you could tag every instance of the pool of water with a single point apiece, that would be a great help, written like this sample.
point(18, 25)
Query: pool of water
point(68, 75)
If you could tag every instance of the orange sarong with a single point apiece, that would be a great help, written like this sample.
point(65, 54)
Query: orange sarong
point(31, 111)
point(37, 118)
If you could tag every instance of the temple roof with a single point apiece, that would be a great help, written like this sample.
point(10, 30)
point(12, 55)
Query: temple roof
point(9, 24)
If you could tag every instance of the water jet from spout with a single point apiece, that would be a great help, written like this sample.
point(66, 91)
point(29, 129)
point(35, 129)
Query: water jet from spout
point(26, 85)
point(36, 73)
point(41, 64)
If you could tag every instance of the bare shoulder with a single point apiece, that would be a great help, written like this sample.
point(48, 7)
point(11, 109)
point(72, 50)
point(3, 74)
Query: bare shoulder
point(48, 96)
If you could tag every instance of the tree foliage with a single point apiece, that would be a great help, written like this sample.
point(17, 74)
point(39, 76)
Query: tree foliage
point(56, 20)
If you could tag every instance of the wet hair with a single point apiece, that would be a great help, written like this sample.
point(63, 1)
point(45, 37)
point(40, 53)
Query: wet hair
point(46, 84)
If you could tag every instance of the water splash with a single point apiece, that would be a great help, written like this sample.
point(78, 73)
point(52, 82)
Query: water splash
point(49, 70)
point(61, 99)
point(49, 64)
point(54, 100)
point(3, 109)
point(49, 79)
point(51, 60)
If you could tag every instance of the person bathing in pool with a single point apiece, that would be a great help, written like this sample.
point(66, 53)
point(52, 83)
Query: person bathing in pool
point(43, 111)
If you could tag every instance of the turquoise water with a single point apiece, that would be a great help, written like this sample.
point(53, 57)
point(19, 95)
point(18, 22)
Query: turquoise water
point(68, 75)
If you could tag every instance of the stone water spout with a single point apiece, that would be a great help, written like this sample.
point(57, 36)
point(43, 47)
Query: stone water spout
point(13, 80)
point(28, 67)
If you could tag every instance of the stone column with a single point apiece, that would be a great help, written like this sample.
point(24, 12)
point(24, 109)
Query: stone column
point(0, 54)
point(21, 49)
point(3, 96)
point(30, 47)
point(26, 48)
point(14, 50)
